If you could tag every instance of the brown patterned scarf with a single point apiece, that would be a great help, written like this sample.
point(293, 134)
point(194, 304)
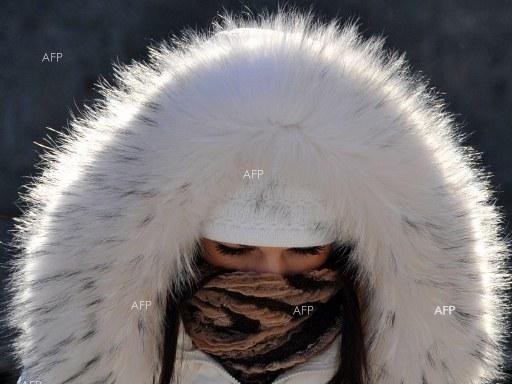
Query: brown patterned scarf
point(258, 325)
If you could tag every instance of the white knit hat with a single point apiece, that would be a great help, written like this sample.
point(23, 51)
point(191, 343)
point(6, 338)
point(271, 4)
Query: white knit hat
point(273, 216)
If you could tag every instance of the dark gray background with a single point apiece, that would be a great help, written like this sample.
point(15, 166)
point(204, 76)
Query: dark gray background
point(463, 47)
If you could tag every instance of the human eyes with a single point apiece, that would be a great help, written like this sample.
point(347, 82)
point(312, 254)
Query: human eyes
point(225, 250)
point(308, 251)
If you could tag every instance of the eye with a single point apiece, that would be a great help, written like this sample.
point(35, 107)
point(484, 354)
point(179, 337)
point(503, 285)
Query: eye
point(308, 251)
point(231, 251)
point(225, 250)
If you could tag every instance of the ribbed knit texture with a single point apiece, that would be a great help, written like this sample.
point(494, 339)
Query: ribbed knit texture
point(271, 214)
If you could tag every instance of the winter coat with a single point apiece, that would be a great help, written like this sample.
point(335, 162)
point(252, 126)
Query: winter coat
point(114, 217)
point(199, 368)
point(196, 367)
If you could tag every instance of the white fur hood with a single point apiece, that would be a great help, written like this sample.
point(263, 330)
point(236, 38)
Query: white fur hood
point(117, 211)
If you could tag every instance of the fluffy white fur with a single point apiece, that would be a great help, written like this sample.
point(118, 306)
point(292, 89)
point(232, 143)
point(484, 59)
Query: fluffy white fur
point(116, 213)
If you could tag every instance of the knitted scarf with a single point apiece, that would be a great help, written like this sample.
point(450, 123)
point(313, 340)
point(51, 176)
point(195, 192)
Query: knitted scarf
point(257, 325)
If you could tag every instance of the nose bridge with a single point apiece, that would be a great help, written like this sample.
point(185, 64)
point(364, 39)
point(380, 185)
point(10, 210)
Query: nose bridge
point(273, 260)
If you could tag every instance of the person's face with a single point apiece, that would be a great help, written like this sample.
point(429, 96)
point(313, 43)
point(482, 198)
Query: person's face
point(264, 259)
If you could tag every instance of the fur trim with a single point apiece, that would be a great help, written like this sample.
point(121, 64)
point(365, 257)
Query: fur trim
point(116, 213)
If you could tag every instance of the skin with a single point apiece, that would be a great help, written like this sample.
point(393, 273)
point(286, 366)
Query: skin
point(264, 259)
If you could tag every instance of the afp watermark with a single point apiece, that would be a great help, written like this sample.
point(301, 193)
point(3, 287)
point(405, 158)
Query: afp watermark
point(444, 310)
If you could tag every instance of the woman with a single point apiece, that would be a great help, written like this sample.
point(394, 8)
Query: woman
point(278, 337)
point(330, 140)
point(246, 320)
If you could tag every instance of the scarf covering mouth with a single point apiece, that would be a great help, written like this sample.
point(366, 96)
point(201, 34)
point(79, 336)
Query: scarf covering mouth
point(257, 325)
